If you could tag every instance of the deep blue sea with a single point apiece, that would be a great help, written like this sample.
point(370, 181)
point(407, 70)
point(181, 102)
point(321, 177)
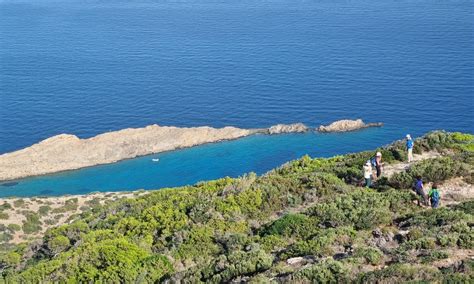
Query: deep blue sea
point(87, 67)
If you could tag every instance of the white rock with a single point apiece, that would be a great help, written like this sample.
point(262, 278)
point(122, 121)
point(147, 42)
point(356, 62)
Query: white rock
point(347, 125)
point(288, 128)
point(295, 260)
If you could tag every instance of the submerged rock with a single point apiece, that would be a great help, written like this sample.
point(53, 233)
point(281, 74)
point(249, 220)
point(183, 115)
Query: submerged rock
point(347, 125)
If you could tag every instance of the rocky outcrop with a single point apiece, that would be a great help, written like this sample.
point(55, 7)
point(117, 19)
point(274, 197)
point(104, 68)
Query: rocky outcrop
point(347, 125)
point(68, 152)
point(288, 128)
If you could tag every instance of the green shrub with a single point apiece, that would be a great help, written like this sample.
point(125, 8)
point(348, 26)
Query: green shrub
point(50, 222)
point(5, 237)
point(415, 234)
point(467, 207)
point(371, 255)
point(32, 224)
point(43, 210)
point(421, 243)
point(14, 227)
point(272, 243)
point(298, 225)
point(434, 255)
point(11, 259)
point(58, 244)
point(447, 240)
point(362, 208)
point(5, 206)
point(398, 273)
point(320, 243)
point(326, 272)
point(69, 205)
point(237, 263)
point(431, 170)
point(4, 216)
point(19, 203)
point(466, 240)
point(462, 137)
point(323, 184)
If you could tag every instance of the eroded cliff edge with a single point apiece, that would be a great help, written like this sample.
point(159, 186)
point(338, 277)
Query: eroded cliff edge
point(68, 152)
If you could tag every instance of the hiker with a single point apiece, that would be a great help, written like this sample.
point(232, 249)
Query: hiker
point(410, 145)
point(368, 174)
point(377, 164)
point(434, 196)
point(420, 191)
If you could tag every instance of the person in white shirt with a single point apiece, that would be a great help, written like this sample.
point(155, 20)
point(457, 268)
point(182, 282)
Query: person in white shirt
point(368, 174)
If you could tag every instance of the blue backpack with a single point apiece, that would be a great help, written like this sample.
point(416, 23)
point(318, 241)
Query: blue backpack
point(373, 161)
point(410, 144)
point(419, 185)
point(435, 197)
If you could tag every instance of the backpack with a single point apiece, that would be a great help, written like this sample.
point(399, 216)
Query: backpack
point(419, 185)
point(410, 144)
point(373, 161)
point(435, 196)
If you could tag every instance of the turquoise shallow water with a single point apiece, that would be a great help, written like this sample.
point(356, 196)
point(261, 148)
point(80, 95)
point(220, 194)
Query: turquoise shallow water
point(87, 67)
point(232, 158)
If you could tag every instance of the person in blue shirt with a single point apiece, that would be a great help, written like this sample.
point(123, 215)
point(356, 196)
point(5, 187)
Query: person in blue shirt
point(410, 145)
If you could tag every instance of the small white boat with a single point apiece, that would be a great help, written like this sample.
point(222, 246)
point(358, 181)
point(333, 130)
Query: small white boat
point(155, 160)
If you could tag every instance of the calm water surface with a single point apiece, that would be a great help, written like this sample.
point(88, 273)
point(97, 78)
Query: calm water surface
point(86, 67)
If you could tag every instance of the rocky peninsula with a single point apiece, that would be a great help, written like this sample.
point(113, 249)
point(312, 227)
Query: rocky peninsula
point(68, 152)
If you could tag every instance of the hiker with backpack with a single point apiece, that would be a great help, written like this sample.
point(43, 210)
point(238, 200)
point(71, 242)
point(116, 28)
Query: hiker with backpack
point(434, 196)
point(420, 191)
point(377, 164)
point(410, 145)
point(368, 173)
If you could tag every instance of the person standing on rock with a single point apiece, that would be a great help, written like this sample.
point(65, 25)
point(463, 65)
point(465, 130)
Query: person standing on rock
point(410, 145)
point(368, 174)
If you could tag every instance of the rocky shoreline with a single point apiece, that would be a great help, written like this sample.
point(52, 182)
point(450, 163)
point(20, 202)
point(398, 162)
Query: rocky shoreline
point(68, 152)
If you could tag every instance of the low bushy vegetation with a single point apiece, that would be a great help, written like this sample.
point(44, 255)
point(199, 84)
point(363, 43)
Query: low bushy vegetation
point(253, 229)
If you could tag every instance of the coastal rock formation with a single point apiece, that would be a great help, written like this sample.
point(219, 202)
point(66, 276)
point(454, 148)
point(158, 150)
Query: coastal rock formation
point(347, 125)
point(68, 152)
point(288, 128)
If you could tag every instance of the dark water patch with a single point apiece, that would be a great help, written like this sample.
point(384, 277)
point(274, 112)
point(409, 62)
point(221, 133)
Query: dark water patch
point(9, 184)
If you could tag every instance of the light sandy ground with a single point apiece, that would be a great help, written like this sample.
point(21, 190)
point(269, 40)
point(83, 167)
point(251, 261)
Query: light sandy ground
point(391, 169)
point(455, 256)
point(452, 191)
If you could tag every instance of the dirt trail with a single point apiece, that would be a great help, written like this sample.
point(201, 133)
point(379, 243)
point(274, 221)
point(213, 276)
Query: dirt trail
point(455, 256)
point(452, 191)
point(391, 169)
